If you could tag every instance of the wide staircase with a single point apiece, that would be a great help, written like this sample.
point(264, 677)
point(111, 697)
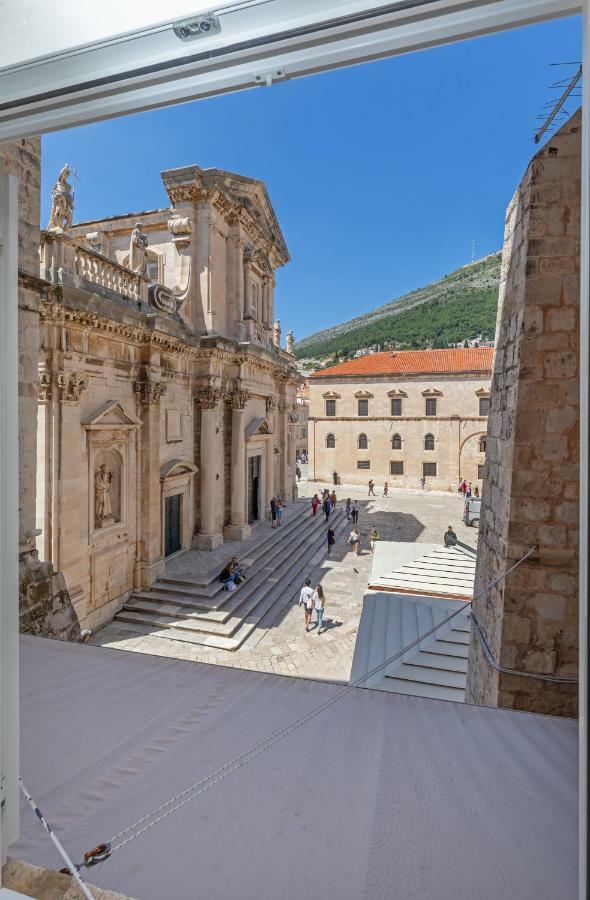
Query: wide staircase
point(201, 611)
point(435, 668)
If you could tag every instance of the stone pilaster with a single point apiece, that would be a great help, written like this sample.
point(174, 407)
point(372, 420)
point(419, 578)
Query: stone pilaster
point(238, 529)
point(209, 536)
point(150, 560)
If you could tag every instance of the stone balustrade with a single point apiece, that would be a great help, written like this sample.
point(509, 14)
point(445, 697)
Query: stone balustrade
point(61, 254)
point(258, 333)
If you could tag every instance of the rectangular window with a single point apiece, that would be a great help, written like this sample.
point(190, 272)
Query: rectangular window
point(330, 407)
point(396, 467)
point(480, 471)
point(396, 406)
point(484, 406)
point(363, 464)
point(363, 407)
point(429, 470)
point(431, 406)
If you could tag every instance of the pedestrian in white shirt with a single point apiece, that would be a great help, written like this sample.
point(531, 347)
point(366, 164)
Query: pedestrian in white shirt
point(319, 602)
point(353, 540)
point(306, 600)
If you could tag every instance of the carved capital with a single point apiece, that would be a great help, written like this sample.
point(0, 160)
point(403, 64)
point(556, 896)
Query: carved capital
point(71, 385)
point(237, 399)
point(148, 393)
point(208, 399)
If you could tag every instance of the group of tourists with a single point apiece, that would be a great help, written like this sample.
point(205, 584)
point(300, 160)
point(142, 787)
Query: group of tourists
point(327, 502)
point(467, 490)
point(276, 512)
point(310, 599)
point(372, 489)
point(232, 574)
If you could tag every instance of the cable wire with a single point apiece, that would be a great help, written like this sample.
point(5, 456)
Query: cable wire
point(143, 824)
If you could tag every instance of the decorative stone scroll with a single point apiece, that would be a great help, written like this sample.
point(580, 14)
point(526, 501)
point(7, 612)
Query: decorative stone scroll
point(178, 225)
point(71, 385)
point(163, 298)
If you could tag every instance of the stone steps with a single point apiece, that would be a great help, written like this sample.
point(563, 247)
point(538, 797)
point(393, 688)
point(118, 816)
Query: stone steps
point(435, 668)
point(209, 593)
point(205, 628)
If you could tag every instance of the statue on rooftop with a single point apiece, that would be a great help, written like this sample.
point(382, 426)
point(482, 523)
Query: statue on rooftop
point(138, 250)
point(290, 339)
point(276, 333)
point(62, 203)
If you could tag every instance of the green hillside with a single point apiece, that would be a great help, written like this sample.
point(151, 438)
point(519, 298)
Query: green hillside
point(460, 306)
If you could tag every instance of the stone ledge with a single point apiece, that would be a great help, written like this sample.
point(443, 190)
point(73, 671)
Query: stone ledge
point(47, 884)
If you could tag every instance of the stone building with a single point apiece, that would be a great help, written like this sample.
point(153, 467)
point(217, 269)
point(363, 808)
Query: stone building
point(400, 416)
point(531, 487)
point(302, 430)
point(151, 365)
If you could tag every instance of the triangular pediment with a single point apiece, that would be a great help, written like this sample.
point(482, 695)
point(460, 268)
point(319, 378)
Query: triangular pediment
point(258, 426)
point(112, 415)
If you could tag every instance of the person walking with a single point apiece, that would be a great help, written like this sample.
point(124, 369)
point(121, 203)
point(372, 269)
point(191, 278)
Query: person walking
point(298, 473)
point(280, 509)
point(468, 492)
point(371, 488)
point(273, 512)
point(463, 487)
point(476, 492)
point(306, 601)
point(423, 482)
point(354, 513)
point(348, 505)
point(331, 538)
point(386, 490)
point(333, 499)
point(354, 540)
point(327, 508)
point(319, 602)
point(315, 502)
point(375, 536)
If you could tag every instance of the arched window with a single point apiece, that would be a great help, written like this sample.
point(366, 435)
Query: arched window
point(396, 442)
point(429, 442)
point(363, 442)
point(330, 441)
point(482, 445)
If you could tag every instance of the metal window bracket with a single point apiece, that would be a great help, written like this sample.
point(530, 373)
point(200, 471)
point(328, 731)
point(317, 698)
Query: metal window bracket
point(268, 78)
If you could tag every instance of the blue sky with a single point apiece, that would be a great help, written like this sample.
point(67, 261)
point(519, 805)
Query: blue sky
point(381, 175)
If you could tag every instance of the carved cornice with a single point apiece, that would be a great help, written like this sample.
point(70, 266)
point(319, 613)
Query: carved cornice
point(208, 398)
point(71, 385)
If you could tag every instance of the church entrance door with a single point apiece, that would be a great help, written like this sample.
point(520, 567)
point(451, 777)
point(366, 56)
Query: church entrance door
point(253, 488)
point(172, 535)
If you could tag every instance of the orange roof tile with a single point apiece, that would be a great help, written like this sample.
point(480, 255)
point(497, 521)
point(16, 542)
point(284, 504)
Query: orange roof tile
point(414, 362)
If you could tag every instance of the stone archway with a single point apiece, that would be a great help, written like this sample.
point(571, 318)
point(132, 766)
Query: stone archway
point(177, 515)
point(472, 459)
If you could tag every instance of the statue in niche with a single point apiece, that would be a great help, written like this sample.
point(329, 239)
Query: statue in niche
point(290, 341)
point(62, 203)
point(276, 333)
point(138, 250)
point(102, 496)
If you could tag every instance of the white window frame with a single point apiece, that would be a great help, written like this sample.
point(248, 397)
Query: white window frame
point(259, 43)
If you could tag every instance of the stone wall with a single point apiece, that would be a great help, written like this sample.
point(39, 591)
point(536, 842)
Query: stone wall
point(45, 606)
point(456, 428)
point(531, 484)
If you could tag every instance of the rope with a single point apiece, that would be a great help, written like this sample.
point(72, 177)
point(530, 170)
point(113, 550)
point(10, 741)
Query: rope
point(554, 679)
point(140, 826)
point(72, 869)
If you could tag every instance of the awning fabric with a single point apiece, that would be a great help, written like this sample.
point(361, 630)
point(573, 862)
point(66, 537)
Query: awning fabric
point(380, 796)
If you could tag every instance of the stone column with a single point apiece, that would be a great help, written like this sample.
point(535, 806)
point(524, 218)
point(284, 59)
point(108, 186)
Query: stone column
point(238, 529)
point(284, 449)
point(209, 537)
point(271, 405)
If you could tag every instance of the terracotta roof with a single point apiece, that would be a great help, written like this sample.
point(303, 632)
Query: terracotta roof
point(414, 362)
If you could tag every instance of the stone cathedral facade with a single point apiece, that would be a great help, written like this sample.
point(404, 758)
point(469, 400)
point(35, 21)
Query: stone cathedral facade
point(167, 407)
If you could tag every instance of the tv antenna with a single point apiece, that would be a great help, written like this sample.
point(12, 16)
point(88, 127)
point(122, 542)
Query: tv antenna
point(557, 107)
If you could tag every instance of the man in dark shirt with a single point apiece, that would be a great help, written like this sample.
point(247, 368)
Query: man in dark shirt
point(450, 537)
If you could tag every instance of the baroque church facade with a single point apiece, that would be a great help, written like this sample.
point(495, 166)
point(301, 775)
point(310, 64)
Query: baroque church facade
point(167, 406)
